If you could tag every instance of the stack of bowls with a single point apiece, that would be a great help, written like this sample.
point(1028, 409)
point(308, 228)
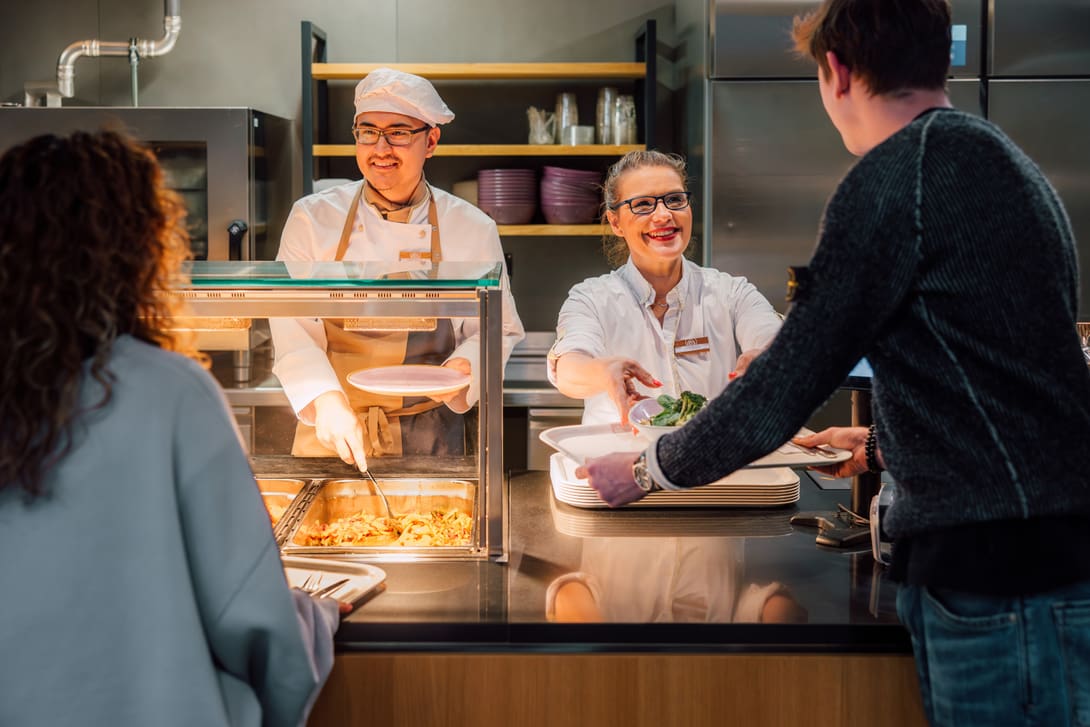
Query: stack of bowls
point(509, 196)
point(570, 196)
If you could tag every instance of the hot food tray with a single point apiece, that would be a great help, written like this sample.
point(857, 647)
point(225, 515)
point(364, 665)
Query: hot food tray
point(283, 497)
point(345, 517)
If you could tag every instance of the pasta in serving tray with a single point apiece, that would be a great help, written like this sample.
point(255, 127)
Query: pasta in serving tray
point(433, 529)
point(347, 514)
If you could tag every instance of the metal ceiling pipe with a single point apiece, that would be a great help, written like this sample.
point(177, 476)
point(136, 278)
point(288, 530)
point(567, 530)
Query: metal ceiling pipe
point(66, 71)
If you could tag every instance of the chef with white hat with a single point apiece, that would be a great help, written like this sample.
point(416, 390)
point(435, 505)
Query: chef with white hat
point(392, 215)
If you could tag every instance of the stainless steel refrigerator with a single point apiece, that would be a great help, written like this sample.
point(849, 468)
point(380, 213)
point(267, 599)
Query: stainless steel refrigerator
point(1038, 90)
point(766, 157)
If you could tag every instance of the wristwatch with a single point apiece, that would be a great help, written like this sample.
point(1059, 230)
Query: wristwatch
point(642, 476)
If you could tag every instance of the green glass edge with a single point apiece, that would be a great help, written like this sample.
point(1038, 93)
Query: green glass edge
point(274, 274)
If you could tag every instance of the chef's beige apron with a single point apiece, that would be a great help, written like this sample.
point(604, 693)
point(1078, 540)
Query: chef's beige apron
point(348, 351)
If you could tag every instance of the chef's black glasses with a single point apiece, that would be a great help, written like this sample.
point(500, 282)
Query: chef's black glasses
point(369, 135)
point(646, 205)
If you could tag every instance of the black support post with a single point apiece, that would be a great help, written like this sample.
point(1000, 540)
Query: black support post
point(314, 101)
point(647, 87)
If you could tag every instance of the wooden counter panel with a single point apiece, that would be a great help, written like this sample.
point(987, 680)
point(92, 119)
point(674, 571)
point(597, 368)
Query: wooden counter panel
point(629, 690)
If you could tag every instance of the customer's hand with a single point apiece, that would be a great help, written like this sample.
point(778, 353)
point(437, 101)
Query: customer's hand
point(851, 438)
point(612, 477)
point(338, 427)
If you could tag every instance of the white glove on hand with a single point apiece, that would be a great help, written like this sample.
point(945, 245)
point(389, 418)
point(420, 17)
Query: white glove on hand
point(338, 428)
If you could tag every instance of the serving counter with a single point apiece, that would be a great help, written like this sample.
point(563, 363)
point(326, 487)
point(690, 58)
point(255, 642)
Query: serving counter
point(666, 634)
point(559, 615)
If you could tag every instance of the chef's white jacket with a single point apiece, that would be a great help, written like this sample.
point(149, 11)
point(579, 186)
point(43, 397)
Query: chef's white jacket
point(611, 315)
point(312, 233)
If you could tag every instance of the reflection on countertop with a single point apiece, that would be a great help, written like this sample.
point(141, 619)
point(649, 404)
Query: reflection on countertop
point(665, 581)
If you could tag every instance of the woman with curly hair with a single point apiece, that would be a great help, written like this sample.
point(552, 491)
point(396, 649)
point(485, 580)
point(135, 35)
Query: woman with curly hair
point(147, 588)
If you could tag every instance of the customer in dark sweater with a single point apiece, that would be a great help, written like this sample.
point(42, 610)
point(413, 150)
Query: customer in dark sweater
point(946, 258)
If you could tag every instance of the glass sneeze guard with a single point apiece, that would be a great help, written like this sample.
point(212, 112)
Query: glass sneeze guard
point(224, 298)
point(369, 274)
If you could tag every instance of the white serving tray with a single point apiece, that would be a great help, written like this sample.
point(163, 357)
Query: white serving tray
point(767, 487)
point(581, 442)
point(364, 580)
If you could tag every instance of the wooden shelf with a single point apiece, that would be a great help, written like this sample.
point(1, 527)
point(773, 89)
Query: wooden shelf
point(638, 77)
point(485, 71)
point(486, 150)
point(552, 230)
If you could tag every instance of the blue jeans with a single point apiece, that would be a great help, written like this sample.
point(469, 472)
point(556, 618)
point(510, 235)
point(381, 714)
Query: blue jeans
point(1001, 660)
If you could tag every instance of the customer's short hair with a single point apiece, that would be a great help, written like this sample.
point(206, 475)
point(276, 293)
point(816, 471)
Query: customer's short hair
point(893, 45)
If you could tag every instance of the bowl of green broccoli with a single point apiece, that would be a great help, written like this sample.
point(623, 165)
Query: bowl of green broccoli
point(654, 417)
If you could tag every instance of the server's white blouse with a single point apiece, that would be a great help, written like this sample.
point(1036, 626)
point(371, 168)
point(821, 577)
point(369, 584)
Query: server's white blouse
point(712, 318)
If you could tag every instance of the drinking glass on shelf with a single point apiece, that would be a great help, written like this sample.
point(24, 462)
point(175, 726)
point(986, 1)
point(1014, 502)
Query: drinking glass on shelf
point(624, 120)
point(567, 114)
point(603, 117)
point(542, 126)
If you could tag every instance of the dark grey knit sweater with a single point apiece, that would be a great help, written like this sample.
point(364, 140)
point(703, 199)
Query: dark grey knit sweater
point(946, 259)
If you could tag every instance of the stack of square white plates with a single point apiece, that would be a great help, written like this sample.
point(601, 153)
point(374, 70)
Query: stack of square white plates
point(765, 487)
point(676, 522)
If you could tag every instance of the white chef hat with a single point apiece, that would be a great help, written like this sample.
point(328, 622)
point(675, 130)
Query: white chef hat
point(397, 92)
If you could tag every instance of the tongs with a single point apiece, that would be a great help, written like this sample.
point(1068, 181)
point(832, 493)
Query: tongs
point(381, 494)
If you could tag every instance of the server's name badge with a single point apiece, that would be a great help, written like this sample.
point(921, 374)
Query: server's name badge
point(691, 346)
point(414, 255)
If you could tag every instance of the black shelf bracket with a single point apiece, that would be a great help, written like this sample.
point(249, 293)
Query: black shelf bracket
point(315, 102)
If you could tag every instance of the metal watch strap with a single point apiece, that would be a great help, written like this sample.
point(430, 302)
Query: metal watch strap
point(642, 477)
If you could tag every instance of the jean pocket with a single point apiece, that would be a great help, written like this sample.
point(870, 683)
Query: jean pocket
point(1073, 632)
point(976, 658)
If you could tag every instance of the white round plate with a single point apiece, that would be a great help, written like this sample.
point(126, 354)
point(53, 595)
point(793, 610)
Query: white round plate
point(409, 380)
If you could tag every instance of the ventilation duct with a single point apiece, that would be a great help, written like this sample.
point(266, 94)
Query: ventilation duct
point(39, 93)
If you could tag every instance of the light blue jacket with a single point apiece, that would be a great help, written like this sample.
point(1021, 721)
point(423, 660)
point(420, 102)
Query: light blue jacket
point(146, 587)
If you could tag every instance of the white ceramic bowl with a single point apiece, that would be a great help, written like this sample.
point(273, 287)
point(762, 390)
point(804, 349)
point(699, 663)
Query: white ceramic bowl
point(645, 409)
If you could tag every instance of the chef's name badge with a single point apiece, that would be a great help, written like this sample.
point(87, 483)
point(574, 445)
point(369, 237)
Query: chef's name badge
point(414, 255)
point(691, 346)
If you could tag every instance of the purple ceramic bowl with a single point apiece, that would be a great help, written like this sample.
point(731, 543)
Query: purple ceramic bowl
point(570, 214)
point(510, 213)
point(579, 174)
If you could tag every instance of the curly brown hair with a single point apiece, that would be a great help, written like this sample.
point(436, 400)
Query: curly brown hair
point(91, 246)
point(613, 247)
